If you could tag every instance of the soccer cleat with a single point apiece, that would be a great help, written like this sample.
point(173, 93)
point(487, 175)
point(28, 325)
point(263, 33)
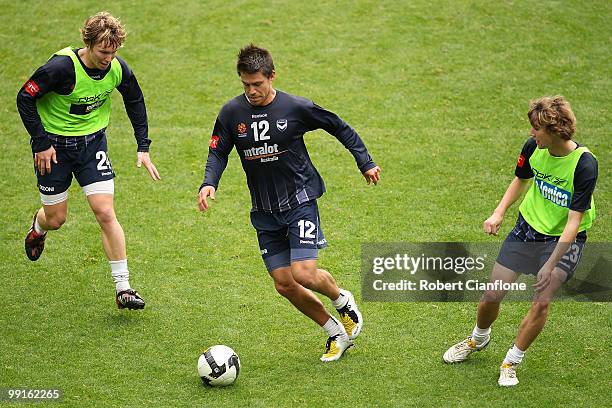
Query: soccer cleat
point(335, 347)
point(507, 375)
point(34, 242)
point(351, 318)
point(129, 299)
point(462, 350)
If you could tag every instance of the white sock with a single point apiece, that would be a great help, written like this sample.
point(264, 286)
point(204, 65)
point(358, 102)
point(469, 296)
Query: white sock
point(342, 299)
point(514, 355)
point(38, 228)
point(120, 274)
point(480, 335)
point(333, 327)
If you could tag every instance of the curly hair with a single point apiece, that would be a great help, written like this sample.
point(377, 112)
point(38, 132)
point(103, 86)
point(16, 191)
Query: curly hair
point(554, 114)
point(103, 28)
point(253, 59)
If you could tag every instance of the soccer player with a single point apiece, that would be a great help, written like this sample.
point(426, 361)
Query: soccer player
point(550, 233)
point(267, 128)
point(65, 107)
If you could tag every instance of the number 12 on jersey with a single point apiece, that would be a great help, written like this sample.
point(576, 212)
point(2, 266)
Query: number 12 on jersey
point(262, 126)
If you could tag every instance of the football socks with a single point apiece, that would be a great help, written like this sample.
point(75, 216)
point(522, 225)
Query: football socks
point(120, 274)
point(333, 327)
point(480, 335)
point(514, 355)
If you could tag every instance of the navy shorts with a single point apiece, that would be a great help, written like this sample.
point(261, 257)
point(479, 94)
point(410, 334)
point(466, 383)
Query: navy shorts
point(84, 156)
point(526, 250)
point(288, 236)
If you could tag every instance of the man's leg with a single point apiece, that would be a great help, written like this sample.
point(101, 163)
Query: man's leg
point(113, 241)
point(488, 307)
point(51, 216)
point(309, 304)
point(306, 237)
point(534, 321)
point(53, 189)
point(488, 310)
point(306, 273)
point(303, 299)
point(530, 328)
point(113, 238)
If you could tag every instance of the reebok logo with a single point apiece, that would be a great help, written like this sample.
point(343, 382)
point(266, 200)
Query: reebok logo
point(548, 177)
point(94, 98)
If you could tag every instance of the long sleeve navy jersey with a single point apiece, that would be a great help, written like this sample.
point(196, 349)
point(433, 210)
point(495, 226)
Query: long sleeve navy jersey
point(57, 75)
point(270, 142)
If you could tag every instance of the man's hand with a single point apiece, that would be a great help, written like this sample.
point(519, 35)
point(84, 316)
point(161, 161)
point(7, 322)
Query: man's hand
point(42, 160)
point(493, 223)
point(143, 158)
point(206, 191)
point(372, 175)
point(544, 278)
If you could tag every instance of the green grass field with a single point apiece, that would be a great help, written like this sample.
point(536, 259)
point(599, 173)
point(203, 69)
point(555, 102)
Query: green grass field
point(439, 92)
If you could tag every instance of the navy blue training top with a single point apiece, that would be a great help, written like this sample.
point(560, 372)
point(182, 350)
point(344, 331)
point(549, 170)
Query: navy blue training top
point(270, 142)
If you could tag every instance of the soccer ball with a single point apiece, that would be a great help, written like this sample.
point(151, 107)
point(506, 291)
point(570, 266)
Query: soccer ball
point(218, 366)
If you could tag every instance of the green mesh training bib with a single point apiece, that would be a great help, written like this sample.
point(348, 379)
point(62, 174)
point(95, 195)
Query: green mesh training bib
point(546, 204)
point(87, 108)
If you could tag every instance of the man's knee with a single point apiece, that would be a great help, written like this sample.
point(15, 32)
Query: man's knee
point(105, 214)
point(305, 273)
point(493, 296)
point(55, 221)
point(540, 309)
point(287, 288)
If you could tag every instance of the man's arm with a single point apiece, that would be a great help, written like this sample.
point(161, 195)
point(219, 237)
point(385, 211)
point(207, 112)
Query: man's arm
point(134, 103)
point(318, 118)
point(514, 191)
point(56, 75)
point(219, 149)
point(563, 245)
point(26, 105)
point(135, 107)
point(585, 179)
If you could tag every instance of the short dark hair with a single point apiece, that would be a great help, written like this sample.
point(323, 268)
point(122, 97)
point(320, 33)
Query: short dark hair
point(253, 59)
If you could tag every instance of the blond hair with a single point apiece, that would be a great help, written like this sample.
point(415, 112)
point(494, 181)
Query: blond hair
point(103, 28)
point(554, 114)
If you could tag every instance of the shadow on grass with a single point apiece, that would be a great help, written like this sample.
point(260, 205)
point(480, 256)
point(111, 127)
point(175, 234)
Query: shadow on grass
point(124, 318)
